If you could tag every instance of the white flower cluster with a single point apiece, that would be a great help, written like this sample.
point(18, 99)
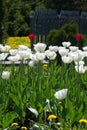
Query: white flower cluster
point(23, 53)
point(67, 52)
point(73, 54)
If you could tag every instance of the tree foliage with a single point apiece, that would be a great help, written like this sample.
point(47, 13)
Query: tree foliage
point(66, 4)
point(2, 13)
point(14, 15)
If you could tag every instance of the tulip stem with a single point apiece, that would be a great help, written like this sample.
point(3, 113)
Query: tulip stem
point(32, 42)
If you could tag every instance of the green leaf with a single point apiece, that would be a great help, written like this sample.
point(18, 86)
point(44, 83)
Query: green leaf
point(8, 118)
point(79, 113)
point(14, 98)
point(70, 111)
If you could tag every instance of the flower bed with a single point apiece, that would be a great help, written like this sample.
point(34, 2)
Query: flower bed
point(14, 42)
point(43, 94)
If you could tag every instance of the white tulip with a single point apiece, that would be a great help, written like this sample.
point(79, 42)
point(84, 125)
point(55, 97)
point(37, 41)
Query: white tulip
point(73, 48)
point(51, 55)
point(40, 47)
point(4, 48)
point(84, 53)
point(3, 56)
point(40, 56)
point(33, 57)
point(14, 58)
point(31, 63)
point(29, 50)
point(61, 47)
point(13, 52)
point(78, 56)
point(80, 63)
point(61, 94)
point(66, 44)
point(67, 59)
point(5, 75)
point(24, 54)
point(81, 69)
point(85, 48)
point(72, 54)
point(53, 48)
point(7, 48)
point(1, 47)
point(63, 52)
point(22, 47)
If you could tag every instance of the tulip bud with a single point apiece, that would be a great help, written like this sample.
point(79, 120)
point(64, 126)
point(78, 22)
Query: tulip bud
point(78, 36)
point(31, 36)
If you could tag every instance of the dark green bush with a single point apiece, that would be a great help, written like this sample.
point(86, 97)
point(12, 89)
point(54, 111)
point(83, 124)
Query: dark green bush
point(66, 33)
point(55, 37)
point(84, 40)
point(71, 27)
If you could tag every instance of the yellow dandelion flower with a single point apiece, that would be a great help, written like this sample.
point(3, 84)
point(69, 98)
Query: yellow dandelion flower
point(83, 121)
point(45, 65)
point(52, 117)
point(24, 128)
point(14, 124)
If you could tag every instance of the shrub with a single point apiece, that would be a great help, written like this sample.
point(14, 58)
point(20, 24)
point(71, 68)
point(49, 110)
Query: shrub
point(66, 33)
point(71, 27)
point(55, 37)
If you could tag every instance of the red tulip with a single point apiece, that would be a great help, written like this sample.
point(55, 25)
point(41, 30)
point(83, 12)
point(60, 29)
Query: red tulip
point(78, 36)
point(31, 36)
